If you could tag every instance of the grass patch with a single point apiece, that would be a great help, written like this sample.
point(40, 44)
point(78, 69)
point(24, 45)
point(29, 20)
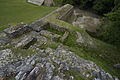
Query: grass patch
point(75, 74)
point(24, 52)
point(50, 44)
point(53, 30)
point(16, 11)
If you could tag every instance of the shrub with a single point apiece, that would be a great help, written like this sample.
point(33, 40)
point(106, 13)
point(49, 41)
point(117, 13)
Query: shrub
point(112, 33)
point(103, 6)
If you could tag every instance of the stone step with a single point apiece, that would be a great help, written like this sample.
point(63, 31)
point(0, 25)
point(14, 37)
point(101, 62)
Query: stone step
point(28, 43)
point(50, 35)
point(13, 33)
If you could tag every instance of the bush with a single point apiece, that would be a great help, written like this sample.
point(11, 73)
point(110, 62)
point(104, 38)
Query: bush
point(100, 6)
point(84, 3)
point(112, 33)
point(103, 6)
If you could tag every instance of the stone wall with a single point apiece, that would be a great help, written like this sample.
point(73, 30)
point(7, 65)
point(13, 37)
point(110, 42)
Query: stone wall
point(64, 12)
point(40, 24)
point(15, 33)
point(57, 27)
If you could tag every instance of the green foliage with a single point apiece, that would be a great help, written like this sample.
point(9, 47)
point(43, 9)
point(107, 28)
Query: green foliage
point(112, 33)
point(80, 3)
point(117, 4)
point(100, 6)
point(84, 3)
point(103, 6)
point(67, 1)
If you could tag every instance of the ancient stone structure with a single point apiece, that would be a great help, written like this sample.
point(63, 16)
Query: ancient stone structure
point(42, 2)
point(48, 3)
point(11, 32)
point(37, 2)
point(47, 63)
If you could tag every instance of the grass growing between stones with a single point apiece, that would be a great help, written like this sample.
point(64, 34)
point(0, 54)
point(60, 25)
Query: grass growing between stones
point(104, 55)
point(75, 74)
point(24, 52)
point(16, 11)
point(53, 45)
point(53, 30)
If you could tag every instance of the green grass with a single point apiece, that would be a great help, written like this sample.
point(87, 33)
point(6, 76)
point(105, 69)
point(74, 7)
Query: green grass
point(16, 11)
point(49, 28)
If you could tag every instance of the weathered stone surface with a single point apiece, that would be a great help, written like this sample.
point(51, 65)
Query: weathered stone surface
point(50, 35)
point(34, 73)
point(28, 43)
point(84, 40)
point(32, 39)
point(4, 40)
point(22, 42)
point(101, 75)
point(57, 27)
point(87, 22)
point(59, 60)
point(37, 2)
point(25, 68)
point(11, 32)
point(65, 11)
point(57, 78)
point(5, 56)
point(49, 3)
point(38, 25)
point(66, 34)
point(19, 75)
point(1, 73)
point(117, 65)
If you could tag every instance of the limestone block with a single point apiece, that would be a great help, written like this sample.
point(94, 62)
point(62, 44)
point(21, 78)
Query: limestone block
point(48, 3)
point(37, 2)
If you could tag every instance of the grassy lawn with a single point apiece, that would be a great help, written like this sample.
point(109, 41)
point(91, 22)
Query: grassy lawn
point(16, 11)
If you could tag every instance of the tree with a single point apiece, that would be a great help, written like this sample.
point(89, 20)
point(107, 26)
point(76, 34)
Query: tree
point(103, 6)
point(112, 32)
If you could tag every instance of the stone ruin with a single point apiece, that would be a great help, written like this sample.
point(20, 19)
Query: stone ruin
point(44, 64)
point(42, 2)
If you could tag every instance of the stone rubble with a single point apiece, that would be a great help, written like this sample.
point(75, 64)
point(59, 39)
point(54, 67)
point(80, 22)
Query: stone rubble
point(44, 65)
point(5, 56)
